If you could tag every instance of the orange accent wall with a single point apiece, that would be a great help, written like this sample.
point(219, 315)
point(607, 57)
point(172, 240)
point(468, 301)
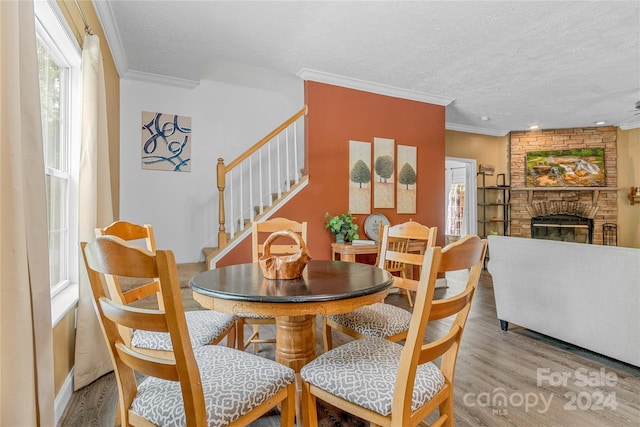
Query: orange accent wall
point(336, 116)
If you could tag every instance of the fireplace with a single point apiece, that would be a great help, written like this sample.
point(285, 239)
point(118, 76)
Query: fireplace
point(562, 220)
point(565, 228)
point(604, 199)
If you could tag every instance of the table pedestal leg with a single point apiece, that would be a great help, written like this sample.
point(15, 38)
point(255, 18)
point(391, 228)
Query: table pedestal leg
point(295, 347)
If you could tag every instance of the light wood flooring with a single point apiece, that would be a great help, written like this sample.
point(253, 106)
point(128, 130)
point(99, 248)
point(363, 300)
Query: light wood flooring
point(496, 380)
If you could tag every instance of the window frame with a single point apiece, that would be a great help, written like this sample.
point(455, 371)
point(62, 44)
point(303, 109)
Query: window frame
point(53, 31)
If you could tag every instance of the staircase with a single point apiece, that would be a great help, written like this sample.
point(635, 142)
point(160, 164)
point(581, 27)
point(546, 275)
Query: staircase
point(257, 183)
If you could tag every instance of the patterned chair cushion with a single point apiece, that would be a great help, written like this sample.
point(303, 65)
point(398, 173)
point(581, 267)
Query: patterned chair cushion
point(234, 382)
point(203, 325)
point(364, 372)
point(376, 320)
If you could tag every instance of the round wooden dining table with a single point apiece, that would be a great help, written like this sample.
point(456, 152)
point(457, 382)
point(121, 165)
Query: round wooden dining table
point(325, 287)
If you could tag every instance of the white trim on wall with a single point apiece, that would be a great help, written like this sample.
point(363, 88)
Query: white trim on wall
point(476, 130)
point(159, 79)
point(110, 29)
point(351, 83)
point(64, 396)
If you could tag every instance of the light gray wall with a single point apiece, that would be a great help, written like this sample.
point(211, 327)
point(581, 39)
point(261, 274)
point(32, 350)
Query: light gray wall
point(228, 115)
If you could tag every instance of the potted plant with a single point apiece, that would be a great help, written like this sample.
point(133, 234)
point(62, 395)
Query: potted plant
point(342, 226)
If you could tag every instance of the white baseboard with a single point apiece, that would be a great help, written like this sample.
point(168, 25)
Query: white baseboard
point(63, 397)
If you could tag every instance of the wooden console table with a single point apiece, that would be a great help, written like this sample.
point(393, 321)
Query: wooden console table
point(348, 252)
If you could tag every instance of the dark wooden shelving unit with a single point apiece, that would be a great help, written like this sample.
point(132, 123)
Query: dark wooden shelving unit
point(494, 206)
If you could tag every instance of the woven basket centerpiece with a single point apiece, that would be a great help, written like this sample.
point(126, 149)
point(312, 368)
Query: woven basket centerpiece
point(289, 266)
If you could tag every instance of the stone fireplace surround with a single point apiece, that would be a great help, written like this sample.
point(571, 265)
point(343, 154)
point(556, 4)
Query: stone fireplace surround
point(596, 203)
point(562, 220)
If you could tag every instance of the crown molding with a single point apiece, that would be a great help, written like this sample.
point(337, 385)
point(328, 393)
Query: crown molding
point(160, 79)
point(111, 33)
point(629, 126)
point(351, 83)
point(475, 129)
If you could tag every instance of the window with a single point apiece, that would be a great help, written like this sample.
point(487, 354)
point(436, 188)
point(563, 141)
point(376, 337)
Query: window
point(54, 84)
point(59, 77)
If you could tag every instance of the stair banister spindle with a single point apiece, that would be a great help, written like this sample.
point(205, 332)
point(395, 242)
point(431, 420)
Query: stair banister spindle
point(261, 192)
point(279, 166)
point(270, 186)
point(220, 175)
point(232, 231)
point(250, 200)
point(296, 169)
point(288, 168)
point(241, 211)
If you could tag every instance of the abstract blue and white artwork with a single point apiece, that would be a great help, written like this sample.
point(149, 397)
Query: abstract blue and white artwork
point(166, 142)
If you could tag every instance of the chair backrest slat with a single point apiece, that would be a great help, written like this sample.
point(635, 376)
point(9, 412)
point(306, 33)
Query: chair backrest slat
point(404, 257)
point(130, 261)
point(450, 306)
point(440, 346)
point(149, 365)
point(141, 292)
point(129, 231)
point(132, 317)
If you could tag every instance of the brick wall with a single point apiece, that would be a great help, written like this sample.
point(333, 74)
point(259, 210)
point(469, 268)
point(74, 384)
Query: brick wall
point(562, 139)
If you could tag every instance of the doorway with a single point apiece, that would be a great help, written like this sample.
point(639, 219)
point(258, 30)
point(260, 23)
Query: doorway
point(460, 198)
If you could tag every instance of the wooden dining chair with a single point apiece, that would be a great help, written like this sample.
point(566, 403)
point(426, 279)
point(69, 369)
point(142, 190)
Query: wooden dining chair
point(389, 384)
point(205, 326)
point(204, 386)
point(402, 244)
point(259, 233)
point(396, 244)
point(380, 319)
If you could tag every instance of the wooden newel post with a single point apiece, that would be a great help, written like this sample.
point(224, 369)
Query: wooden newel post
point(221, 173)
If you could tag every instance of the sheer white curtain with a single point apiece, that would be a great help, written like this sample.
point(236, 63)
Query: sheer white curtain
point(92, 358)
point(26, 350)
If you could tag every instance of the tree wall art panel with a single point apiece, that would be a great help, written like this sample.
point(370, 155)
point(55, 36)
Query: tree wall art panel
point(407, 179)
point(359, 177)
point(384, 168)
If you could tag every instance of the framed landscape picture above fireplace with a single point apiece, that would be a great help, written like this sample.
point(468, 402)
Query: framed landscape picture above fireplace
point(579, 167)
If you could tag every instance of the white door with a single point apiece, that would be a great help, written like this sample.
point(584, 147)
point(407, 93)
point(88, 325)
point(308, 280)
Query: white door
point(460, 197)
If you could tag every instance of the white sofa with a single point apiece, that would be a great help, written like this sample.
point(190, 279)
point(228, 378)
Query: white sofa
point(586, 295)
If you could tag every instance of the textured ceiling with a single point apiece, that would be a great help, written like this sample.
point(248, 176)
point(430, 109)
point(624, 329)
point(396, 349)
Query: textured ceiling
point(557, 64)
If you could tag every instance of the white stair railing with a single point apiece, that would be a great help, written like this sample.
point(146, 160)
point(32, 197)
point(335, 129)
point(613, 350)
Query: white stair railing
point(246, 196)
